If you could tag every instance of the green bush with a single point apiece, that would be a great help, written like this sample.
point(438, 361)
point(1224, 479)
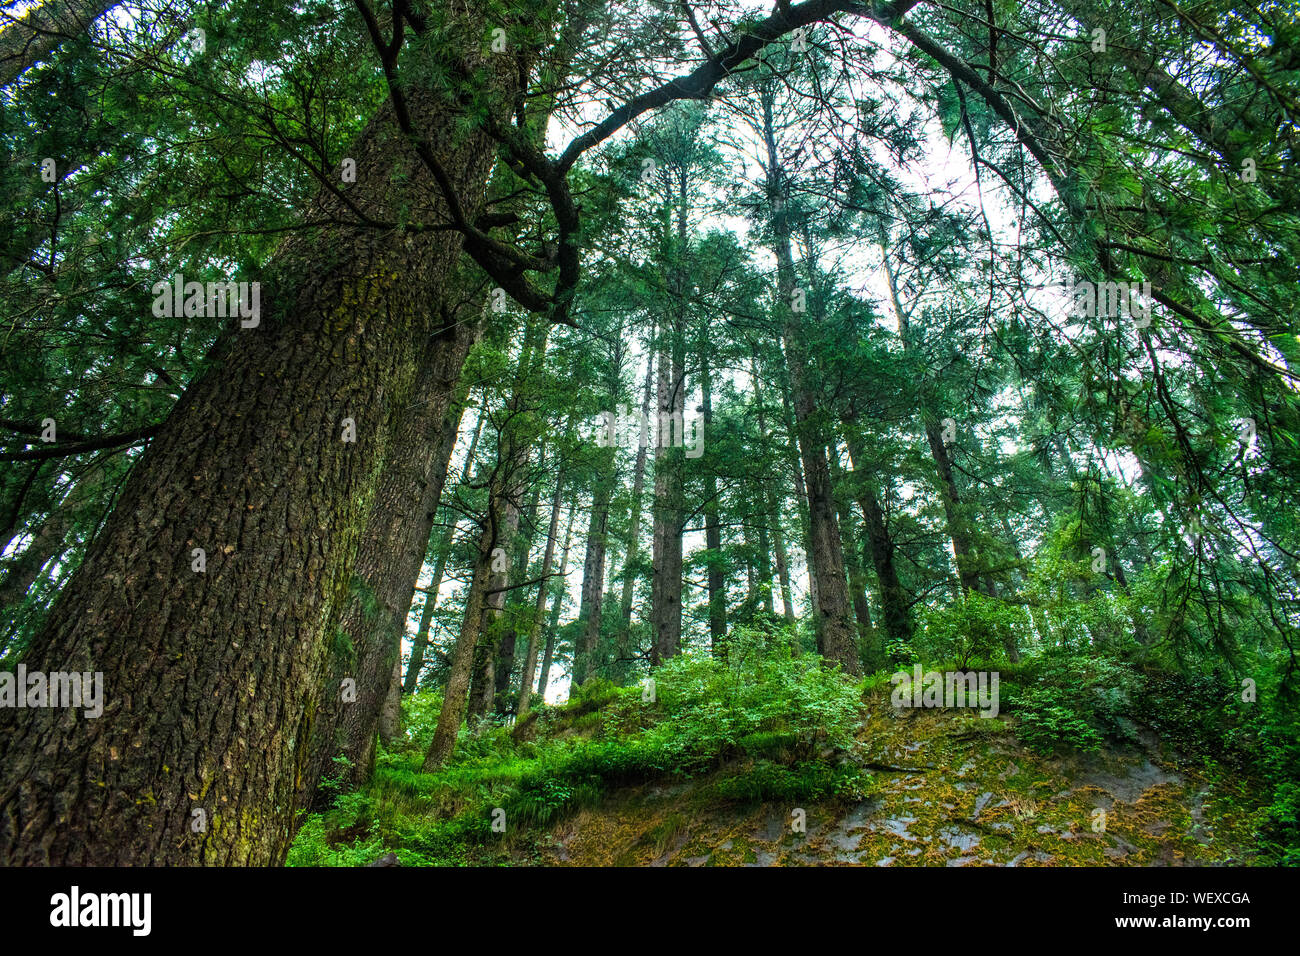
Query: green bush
point(974, 627)
point(760, 703)
point(1072, 701)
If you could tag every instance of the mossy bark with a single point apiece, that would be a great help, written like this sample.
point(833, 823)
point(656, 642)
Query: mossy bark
point(212, 680)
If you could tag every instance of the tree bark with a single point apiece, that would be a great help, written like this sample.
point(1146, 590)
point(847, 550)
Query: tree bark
point(535, 623)
point(420, 642)
point(585, 655)
point(835, 631)
point(30, 39)
point(717, 582)
point(771, 511)
point(456, 691)
point(213, 679)
point(388, 563)
point(634, 529)
point(556, 606)
point(666, 582)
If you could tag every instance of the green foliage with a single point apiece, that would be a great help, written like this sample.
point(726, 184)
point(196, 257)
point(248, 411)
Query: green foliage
point(967, 629)
point(1071, 701)
point(761, 703)
point(811, 782)
point(1046, 723)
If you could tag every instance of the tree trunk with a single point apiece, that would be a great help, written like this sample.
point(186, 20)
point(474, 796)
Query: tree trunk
point(503, 700)
point(835, 631)
point(556, 606)
point(585, 654)
point(420, 643)
point(634, 529)
point(388, 563)
point(213, 679)
point(535, 623)
point(505, 491)
point(666, 582)
point(390, 714)
point(771, 511)
point(717, 583)
point(456, 691)
point(514, 444)
point(483, 682)
point(853, 568)
point(31, 38)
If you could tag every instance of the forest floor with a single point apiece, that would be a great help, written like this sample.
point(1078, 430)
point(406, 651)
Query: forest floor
point(976, 797)
point(575, 785)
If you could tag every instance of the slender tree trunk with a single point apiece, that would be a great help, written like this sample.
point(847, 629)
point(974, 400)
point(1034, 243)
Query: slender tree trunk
point(879, 544)
point(421, 640)
point(585, 655)
point(765, 559)
point(801, 495)
point(557, 605)
point(514, 443)
point(836, 634)
point(717, 582)
point(48, 536)
point(853, 567)
point(456, 690)
point(514, 451)
point(535, 623)
point(771, 511)
point(483, 681)
point(505, 662)
point(634, 528)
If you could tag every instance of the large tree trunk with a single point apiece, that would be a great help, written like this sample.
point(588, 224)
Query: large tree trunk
point(212, 680)
point(392, 551)
point(390, 712)
point(31, 38)
point(666, 581)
